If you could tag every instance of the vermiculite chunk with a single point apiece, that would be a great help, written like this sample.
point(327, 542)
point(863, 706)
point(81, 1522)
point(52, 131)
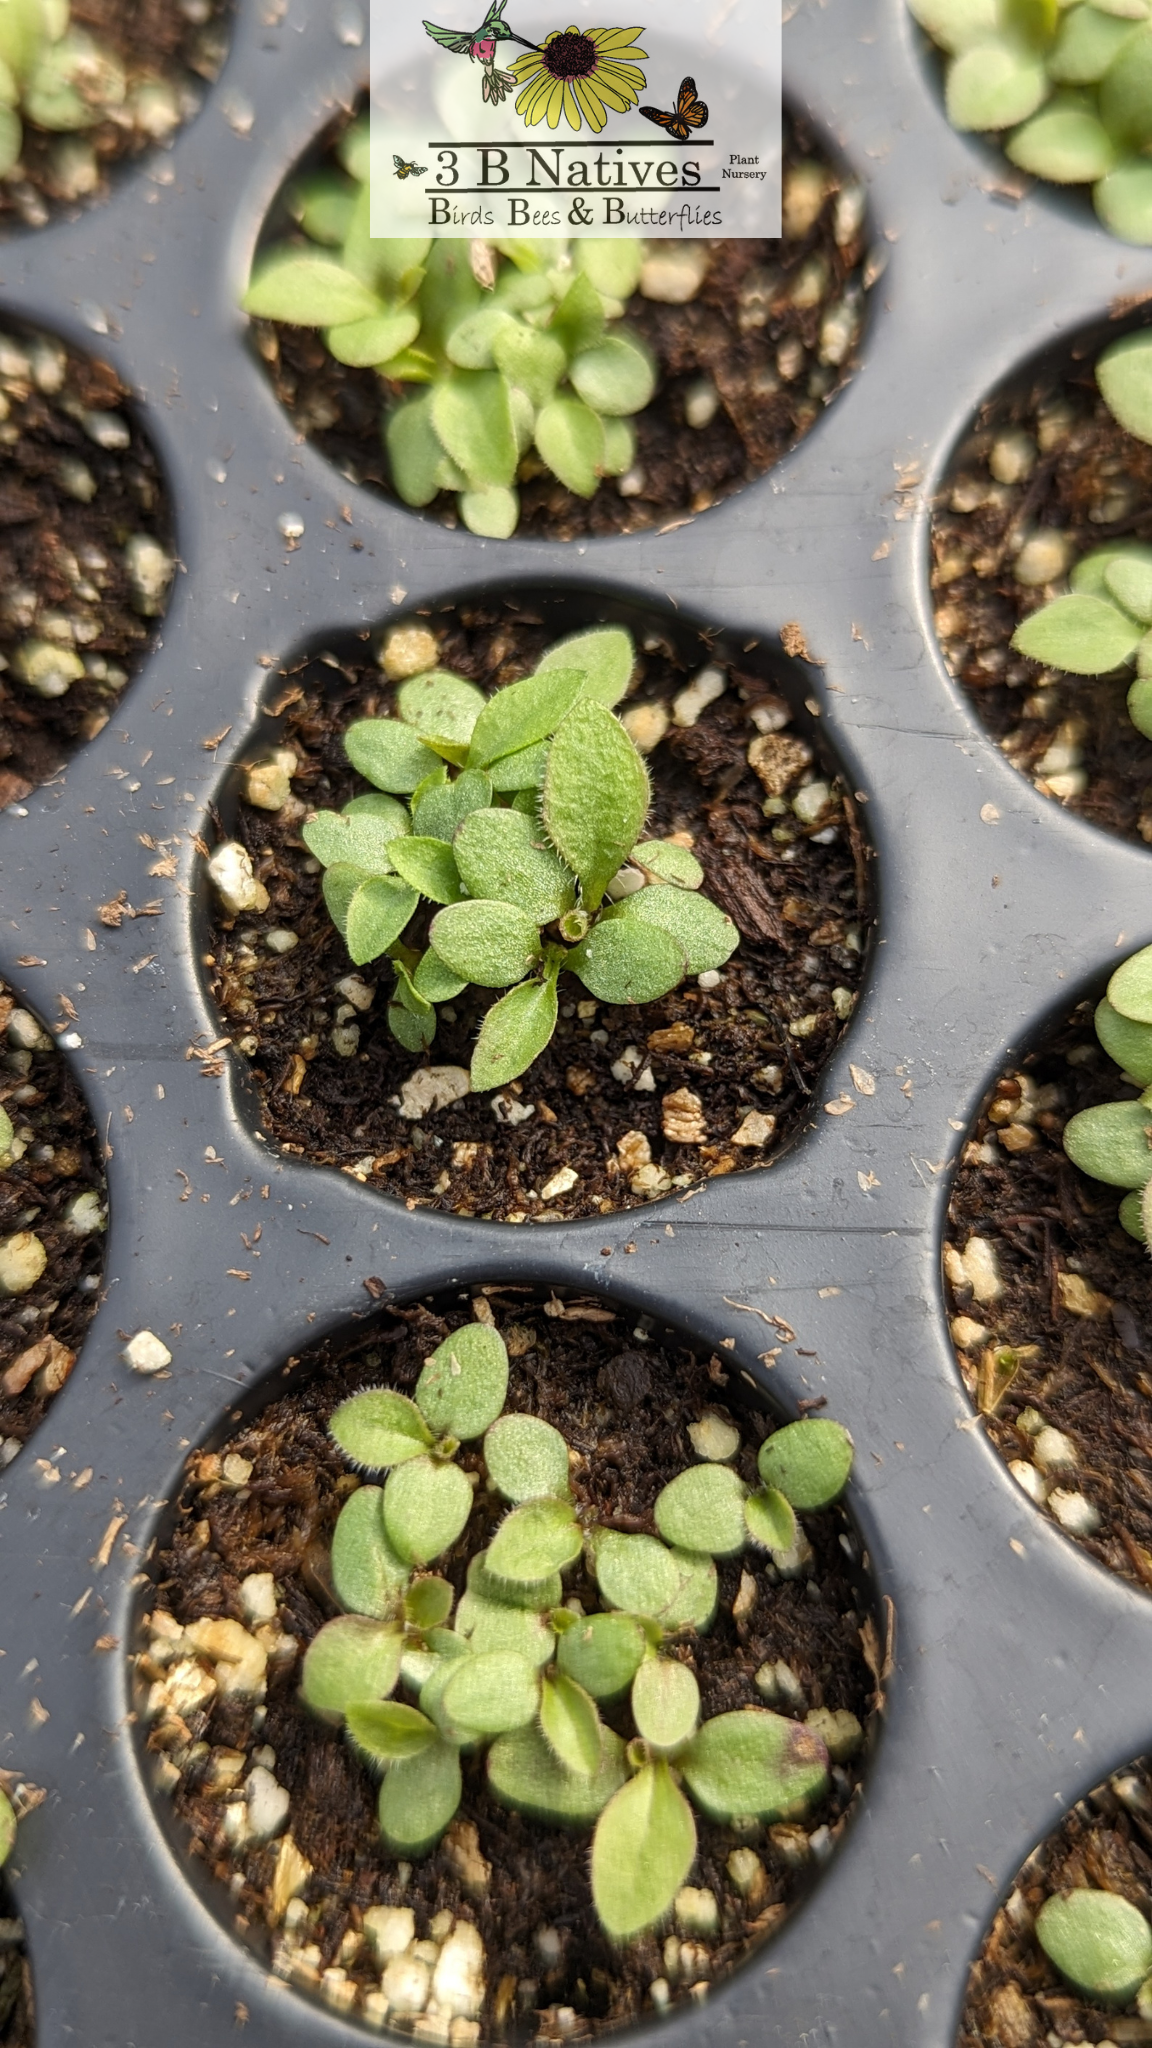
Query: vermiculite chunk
point(1099, 1942)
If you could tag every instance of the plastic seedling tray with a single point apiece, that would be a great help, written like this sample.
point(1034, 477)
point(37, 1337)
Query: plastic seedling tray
point(1018, 1678)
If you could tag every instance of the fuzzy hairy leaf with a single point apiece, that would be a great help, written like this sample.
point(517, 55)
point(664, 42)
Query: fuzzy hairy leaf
point(535, 1594)
point(522, 713)
point(1086, 45)
point(1112, 1143)
point(635, 1573)
point(994, 84)
point(616, 377)
point(472, 415)
point(538, 1538)
point(493, 512)
point(770, 1519)
point(492, 1692)
point(1126, 92)
point(413, 1030)
point(1099, 1941)
point(677, 865)
point(956, 23)
point(462, 1386)
point(578, 321)
point(306, 289)
point(364, 343)
point(1124, 374)
point(493, 1625)
point(665, 1703)
point(434, 979)
point(1087, 636)
point(605, 655)
point(426, 1505)
point(603, 1653)
point(389, 753)
point(703, 1509)
point(1123, 201)
point(642, 1850)
point(753, 1762)
point(523, 770)
point(440, 705)
point(429, 866)
point(532, 362)
point(808, 1462)
point(570, 439)
point(471, 344)
point(350, 1659)
point(1089, 574)
point(377, 915)
point(693, 1604)
point(526, 1458)
point(368, 1575)
point(415, 450)
point(387, 1731)
point(571, 1726)
point(1130, 989)
point(441, 808)
point(338, 887)
point(418, 1799)
point(1065, 142)
point(1125, 1041)
point(492, 944)
point(698, 925)
point(611, 266)
point(525, 1773)
point(1129, 581)
point(379, 1428)
point(428, 1602)
point(7, 1827)
point(360, 839)
point(501, 855)
point(595, 795)
point(627, 962)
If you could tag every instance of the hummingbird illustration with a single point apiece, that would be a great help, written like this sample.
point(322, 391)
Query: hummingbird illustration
point(479, 45)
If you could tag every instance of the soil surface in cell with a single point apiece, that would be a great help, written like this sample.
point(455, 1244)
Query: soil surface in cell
point(52, 1187)
point(1079, 481)
point(623, 1403)
point(754, 328)
point(179, 43)
point(17, 2022)
point(1014, 1993)
point(596, 1101)
point(1067, 1346)
point(79, 484)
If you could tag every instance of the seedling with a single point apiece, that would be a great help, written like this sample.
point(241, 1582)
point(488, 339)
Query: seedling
point(522, 1677)
point(7, 1827)
point(489, 849)
point(1113, 1141)
point(1071, 86)
point(496, 361)
point(1099, 1942)
point(63, 79)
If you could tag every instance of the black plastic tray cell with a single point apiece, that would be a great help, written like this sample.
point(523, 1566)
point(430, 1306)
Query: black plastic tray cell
point(1017, 1678)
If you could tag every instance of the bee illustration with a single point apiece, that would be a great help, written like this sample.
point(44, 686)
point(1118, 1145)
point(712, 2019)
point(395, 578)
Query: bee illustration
point(690, 112)
point(404, 170)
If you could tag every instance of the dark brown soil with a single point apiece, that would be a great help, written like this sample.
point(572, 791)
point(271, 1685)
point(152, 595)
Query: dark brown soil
point(743, 330)
point(61, 560)
point(623, 1402)
point(41, 1330)
point(799, 899)
point(17, 2025)
point(1092, 482)
point(1015, 1997)
point(183, 42)
point(1077, 1301)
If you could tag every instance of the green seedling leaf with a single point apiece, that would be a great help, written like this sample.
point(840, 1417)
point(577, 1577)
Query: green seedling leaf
point(770, 1519)
point(642, 1850)
point(994, 84)
point(578, 321)
point(492, 944)
point(440, 705)
point(306, 289)
point(321, 204)
point(415, 450)
point(438, 812)
point(418, 1798)
point(667, 863)
point(389, 753)
point(527, 1459)
point(364, 343)
point(622, 961)
point(493, 513)
point(1098, 1941)
point(665, 1703)
point(428, 1603)
point(368, 1576)
point(380, 1428)
point(472, 415)
point(1130, 989)
point(449, 1650)
point(387, 810)
point(525, 1773)
point(434, 979)
point(605, 655)
point(359, 840)
point(753, 1762)
point(1124, 374)
point(472, 341)
point(501, 855)
point(522, 713)
point(534, 1540)
point(612, 267)
point(1125, 1041)
point(703, 1509)
point(7, 1827)
point(698, 925)
point(1087, 636)
point(1130, 1215)
point(414, 1031)
point(1139, 699)
point(694, 1602)
point(493, 1625)
point(376, 916)
point(570, 439)
point(954, 24)
point(570, 1723)
point(426, 1505)
point(1123, 201)
point(387, 1732)
point(429, 866)
point(350, 1659)
point(603, 1653)
point(1088, 575)
point(354, 149)
point(635, 1573)
point(412, 1001)
point(523, 770)
point(338, 887)
point(1126, 92)
point(1129, 581)
point(462, 1387)
point(538, 1595)
point(1112, 1143)
point(808, 1462)
point(595, 796)
point(1085, 46)
point(1065, 142)
point(492, 1693)
point(616, 377)
point(532, 362)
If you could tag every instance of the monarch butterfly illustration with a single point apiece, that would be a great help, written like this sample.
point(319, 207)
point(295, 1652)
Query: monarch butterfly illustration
point(690, 112)
point(404, 170)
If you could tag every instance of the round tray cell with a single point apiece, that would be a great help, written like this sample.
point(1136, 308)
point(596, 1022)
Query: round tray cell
point(1050, 1301)
point(53, 1217)
point(627, 1102)
point(1098, 1860)
point(122, 78)
point(745, 364)
point(272, 1811)
point(86, 555)
point(1044, 477)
